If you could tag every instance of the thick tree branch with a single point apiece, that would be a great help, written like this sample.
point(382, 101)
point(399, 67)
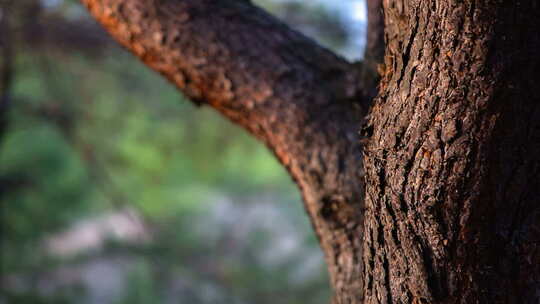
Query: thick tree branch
point(458, 80)
point(302, 100)
point(374, 53)
point(375, 32)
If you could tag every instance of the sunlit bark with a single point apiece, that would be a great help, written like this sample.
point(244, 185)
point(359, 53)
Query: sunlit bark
point(452, 158)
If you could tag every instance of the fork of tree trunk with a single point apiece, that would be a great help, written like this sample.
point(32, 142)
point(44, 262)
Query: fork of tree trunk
point(427, 193)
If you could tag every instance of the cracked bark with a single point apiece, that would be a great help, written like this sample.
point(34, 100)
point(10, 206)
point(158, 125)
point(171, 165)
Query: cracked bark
point(452, 166)
point(452, 160)
point(304, 102)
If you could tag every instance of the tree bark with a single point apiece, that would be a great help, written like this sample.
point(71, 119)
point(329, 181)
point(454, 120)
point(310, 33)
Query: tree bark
point(304, 102)
point(452, 166)
point(452, 159)
point(374, 53)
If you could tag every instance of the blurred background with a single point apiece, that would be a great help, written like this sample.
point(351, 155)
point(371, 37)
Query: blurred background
point(115, 189)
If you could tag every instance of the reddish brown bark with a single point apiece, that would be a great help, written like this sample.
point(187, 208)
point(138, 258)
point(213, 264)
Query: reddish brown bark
point(300, 99)
point(452, 167)
point(452, 161)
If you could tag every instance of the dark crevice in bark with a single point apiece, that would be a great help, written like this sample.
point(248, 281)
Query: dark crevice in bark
point(407, 53)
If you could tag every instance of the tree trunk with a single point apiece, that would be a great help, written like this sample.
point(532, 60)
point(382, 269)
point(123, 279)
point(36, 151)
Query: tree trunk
point(452, 156)
point(452, 165)
point(301, 100)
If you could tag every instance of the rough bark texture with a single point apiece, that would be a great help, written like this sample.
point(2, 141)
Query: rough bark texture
point(300, 99)
point(453, 161)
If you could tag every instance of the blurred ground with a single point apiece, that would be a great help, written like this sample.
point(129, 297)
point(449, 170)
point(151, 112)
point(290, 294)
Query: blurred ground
point(114, 189)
